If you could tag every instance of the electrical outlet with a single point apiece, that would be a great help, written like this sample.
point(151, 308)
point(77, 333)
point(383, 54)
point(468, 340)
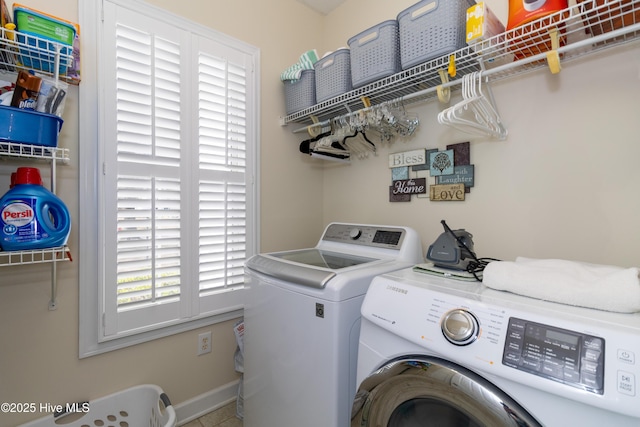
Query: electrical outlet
point(204, 343)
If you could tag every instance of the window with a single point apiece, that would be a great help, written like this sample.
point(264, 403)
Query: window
point(170, 215)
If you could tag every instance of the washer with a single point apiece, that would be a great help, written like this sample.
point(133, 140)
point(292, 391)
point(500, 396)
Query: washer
point(302, 323)
point(436, 351)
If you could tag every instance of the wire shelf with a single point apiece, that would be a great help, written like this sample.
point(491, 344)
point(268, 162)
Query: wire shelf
point(35, 256)
point(585, 28)
point(13, 149)
point(22, 51)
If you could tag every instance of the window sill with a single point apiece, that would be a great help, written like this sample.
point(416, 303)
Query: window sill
point(89, 345)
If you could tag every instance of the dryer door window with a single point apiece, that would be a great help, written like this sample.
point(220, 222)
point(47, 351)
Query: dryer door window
point(428, 391)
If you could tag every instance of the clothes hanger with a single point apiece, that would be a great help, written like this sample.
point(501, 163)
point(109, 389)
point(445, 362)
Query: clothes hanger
point(475, 114)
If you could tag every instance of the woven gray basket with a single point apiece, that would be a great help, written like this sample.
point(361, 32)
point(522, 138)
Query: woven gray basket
point(431, 28)
point(375, 53)
point(300, 94)
point(333, 75)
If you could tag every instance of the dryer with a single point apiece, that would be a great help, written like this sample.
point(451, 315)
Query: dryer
point(439, 352)
point(302, 323)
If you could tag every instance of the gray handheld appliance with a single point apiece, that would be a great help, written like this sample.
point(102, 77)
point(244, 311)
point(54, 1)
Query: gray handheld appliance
point(452, 249)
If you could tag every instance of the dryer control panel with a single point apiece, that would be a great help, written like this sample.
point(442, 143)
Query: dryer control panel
point(558, 354)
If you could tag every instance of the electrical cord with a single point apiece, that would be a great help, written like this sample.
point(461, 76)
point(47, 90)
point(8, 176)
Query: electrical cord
point(478, 264)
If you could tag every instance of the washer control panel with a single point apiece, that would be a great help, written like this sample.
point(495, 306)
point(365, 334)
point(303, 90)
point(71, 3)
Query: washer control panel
point(558, 354)
point(367, 235)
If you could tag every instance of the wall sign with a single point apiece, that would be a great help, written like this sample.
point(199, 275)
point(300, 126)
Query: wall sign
point(398, 197)
point(441, 163)
point(442, 175)
point(460, 175)
point(460, 153)
point(401, 190)
point(407, 158)
point(448, 192)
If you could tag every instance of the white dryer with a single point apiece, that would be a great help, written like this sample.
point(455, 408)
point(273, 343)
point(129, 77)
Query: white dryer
point(302, 323)
point(440, 352)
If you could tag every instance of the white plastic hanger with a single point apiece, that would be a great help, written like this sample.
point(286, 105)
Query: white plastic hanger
point(476, 113)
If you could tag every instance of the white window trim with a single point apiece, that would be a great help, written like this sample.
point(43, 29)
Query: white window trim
point(89, 118)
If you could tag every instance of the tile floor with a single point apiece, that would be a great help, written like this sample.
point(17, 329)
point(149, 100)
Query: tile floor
point(223, 417)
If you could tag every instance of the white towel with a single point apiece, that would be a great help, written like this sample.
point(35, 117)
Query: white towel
point(602, 287)
point(305, 62)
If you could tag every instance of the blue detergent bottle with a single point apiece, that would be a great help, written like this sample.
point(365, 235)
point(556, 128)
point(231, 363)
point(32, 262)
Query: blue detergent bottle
point(32, 217)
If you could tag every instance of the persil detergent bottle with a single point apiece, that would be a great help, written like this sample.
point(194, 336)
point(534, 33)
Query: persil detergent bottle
point(32, 217)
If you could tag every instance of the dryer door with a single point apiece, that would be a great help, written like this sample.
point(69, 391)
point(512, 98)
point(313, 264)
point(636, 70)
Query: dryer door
point(428, 391)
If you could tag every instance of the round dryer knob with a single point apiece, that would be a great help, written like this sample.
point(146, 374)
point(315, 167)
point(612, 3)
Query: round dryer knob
point(460, 327)
point(355, 233)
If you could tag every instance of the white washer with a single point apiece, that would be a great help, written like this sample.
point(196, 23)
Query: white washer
point(302, 323)
point(436, 351)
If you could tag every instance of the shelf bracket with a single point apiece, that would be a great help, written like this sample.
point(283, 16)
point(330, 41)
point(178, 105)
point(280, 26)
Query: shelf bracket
point(553, 57)
point(315, 129)
point(444, 93)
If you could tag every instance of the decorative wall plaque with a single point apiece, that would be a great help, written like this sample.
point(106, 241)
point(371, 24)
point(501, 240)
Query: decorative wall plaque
point(460, 175)
point(407, 158)
point(461, 153)
point(448, 192)
point(425, 166)
point(398, 197)
point(441, 163)
point(402, 190)
point(440, 175)
point(410, 186)
point(399, 173)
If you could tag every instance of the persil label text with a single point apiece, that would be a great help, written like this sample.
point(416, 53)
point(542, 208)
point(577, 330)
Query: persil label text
point(17, 214)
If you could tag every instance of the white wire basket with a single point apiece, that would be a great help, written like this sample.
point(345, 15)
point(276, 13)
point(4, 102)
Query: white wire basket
point(144, 405)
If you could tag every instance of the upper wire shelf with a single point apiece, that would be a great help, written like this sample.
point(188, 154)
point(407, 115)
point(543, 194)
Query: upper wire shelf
point(22, 51)
point(35, 256)
point(13, 149)
point(585, 28)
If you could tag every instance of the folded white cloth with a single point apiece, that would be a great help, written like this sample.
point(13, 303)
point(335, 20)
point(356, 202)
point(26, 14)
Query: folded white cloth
point(581, 284)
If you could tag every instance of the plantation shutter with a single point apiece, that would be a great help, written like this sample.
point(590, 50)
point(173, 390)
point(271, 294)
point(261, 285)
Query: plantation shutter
point(222, 165)
point(175, 175)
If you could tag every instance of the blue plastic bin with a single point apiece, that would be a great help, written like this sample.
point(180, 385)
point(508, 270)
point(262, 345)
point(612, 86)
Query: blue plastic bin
point(29, 127)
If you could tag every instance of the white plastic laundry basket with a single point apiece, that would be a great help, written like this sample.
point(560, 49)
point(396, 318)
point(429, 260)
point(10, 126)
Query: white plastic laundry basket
point(144, 405)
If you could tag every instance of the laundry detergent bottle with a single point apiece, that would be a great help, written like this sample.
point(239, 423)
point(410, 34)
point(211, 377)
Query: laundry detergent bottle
point(32, 217)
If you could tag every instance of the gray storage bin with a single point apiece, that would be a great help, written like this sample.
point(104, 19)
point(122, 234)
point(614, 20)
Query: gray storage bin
point(375, 53)
point(300, 94)
point(432, 28)
point(333, 75)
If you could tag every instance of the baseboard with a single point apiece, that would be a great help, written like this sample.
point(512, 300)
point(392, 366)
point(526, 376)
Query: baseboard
point(204, 403)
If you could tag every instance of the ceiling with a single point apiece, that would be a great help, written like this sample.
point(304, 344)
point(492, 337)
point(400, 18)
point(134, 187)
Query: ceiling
point(322, 6)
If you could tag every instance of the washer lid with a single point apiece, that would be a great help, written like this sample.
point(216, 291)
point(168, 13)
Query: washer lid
point(322, 258)
point(308, 267)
